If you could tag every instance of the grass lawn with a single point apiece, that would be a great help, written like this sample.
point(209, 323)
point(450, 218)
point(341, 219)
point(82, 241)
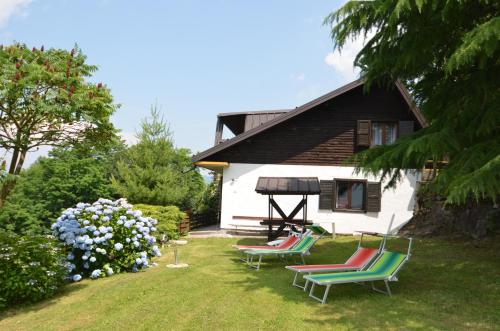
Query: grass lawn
point(445, 285)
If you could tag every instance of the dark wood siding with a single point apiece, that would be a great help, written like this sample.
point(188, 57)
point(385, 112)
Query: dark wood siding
point(254, 120)
point(405, 128)
point(325, 135)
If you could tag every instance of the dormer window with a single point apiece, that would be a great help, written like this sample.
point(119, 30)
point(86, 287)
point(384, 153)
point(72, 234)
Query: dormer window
point(383, 133)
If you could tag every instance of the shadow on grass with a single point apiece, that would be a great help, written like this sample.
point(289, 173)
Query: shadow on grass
point(439, 278)
point(65, 291)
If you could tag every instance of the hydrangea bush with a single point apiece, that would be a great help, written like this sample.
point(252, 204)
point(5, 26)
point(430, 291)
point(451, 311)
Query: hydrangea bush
point(104, 238)
point(31, 268)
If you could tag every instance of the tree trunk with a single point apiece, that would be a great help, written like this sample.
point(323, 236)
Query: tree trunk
point(13, 160)
point(20, 163)
point(16, 164)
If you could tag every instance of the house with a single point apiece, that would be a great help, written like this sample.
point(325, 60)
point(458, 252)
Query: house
point(315, 140)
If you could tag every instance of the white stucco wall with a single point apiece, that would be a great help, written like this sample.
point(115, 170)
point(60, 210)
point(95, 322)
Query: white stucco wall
point(240, 199)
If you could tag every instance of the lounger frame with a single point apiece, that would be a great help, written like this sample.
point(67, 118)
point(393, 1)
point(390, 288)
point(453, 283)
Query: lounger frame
point(386, 279)
point(250, 255)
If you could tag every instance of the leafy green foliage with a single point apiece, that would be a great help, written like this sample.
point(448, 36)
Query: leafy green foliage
point(46, 100)
point(209, 202)
point(31, 268)
point(447, 53)
point(53, 184)
point(168, 218)
point(155, 172)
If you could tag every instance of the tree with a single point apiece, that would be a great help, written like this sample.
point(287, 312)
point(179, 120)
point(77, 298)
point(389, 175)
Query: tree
point(46, 100)
point(51, 184)
point(155, 172)
point(447, 53)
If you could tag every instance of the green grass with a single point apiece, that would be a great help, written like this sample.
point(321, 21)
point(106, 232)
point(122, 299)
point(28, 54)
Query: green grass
point(446, 285)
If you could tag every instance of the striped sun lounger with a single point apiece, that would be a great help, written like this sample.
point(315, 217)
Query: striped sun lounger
point(359, 260)
point(385, 269)
point(286, 244)
point(301, 248)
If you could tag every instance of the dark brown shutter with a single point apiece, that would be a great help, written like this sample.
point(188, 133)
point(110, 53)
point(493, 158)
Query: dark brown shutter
point(405, 128)
point(363, 132)
point(373, 196)
point(326, 195)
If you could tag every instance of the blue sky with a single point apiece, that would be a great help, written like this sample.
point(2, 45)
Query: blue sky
point(194, 58)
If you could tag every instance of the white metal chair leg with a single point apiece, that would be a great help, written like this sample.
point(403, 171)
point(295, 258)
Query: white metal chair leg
point(258, 264)
point(295, 281)
point(325, 295)
point(388, 289)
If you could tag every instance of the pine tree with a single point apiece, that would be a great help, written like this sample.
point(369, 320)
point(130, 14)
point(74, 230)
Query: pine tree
point(447, 53)
point(155, 172)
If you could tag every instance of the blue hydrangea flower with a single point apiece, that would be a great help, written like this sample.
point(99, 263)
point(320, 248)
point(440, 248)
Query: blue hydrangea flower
point(92, 259)
point(118, 246)
point(77, 278)
point(95, 274)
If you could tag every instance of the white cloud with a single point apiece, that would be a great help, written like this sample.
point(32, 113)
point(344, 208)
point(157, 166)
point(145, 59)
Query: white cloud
point(129, 137)
point(300, 76)
point(9, 8)
point(342, 62)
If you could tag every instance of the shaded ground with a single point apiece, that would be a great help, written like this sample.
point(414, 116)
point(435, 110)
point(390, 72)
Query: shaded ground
point(446, 285)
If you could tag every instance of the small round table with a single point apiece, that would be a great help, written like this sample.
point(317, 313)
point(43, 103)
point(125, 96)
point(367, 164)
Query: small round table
point(176, 264)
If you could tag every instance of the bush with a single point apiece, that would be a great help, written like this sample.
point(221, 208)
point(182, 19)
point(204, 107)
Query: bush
point(31, 268)
point(168, 218)
point(105, 238)
point(52, 184)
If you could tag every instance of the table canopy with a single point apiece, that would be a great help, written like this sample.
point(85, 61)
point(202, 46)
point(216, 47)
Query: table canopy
point(288, 186)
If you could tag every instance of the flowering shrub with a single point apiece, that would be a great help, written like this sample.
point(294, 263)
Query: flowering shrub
point(106, 237)
point(31, 268)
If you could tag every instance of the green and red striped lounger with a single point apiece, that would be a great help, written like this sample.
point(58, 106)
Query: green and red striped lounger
point(286, 244)
point(359, 260)
point(385, 269)
point(301, 248)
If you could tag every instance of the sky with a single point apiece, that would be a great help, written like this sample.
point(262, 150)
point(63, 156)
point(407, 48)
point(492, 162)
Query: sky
point(194, 59)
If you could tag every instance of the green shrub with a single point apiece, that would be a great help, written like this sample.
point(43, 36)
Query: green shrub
point(31, 268)
point(52, 184)
point(168, 218)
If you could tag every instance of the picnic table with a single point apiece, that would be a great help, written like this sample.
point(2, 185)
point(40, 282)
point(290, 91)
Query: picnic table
point(271, 186)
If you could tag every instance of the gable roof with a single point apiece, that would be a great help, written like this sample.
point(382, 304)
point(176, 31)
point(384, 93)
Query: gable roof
point(305, 107)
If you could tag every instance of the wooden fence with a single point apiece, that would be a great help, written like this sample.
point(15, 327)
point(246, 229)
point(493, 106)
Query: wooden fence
point(193, 221)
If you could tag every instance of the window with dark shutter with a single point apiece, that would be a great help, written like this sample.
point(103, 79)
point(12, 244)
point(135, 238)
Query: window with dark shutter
point(405, 128)
point(349, 194)
point(363, 132)
point(373, 196)
point(326, 195)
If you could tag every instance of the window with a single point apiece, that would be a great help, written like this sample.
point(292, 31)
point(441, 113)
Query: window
point(349, 194)
point(383, 133)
